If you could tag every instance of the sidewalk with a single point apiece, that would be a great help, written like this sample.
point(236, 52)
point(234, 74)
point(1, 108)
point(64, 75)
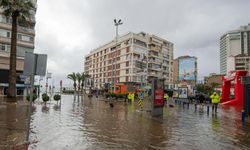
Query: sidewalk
point(13, 123)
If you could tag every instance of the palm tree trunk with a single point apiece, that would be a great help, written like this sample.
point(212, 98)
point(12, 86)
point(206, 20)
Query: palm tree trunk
point(74, 88)
point(12, 71)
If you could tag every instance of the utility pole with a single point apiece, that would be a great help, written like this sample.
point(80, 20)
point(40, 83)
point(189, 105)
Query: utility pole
point(117, 23)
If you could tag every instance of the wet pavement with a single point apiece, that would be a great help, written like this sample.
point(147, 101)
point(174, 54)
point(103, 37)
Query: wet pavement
point(91, 124)
point(13, 123)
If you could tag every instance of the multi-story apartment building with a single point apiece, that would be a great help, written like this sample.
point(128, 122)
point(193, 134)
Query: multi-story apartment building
point(233, 43)
point(25, 43)
point(242, 62)
point(137, 58)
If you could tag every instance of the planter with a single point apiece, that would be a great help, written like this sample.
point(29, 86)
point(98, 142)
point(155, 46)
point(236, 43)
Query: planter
point(34, 97)
point(57, 97)
point(45, 98)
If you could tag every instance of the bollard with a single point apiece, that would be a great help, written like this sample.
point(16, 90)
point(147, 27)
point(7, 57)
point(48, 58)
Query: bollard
point(183, 104)
point(188, 105)
point(195, 107)
point(207, 110)
point(243, 115)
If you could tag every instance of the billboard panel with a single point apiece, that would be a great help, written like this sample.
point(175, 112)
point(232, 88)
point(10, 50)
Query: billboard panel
point(187, 69)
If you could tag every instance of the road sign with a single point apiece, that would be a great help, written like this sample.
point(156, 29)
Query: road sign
point(35, 64)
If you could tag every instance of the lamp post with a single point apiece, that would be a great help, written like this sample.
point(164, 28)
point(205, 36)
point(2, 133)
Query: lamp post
point(47, 77)
point(40, 79)
point(117, 23)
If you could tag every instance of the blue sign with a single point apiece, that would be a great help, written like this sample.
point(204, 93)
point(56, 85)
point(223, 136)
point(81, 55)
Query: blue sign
point(187, 69)
point(141, 95)
point(22, 77)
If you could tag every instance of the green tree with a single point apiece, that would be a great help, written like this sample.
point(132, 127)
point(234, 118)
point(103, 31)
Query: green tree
point(84, 77)
point(19, 11)
point(214, 85)
point(201, 88)
point(73, 77)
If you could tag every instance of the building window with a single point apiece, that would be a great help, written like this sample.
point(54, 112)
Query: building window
point(127, 49)
point(117, 66)
point(2, 46)
point(127, 78)
point(127, 63)
point(127, 71)
point(118, 52)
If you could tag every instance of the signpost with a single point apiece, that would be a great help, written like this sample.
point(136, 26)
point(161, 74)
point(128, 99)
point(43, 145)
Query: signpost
point(61, 92)
point(34, 64)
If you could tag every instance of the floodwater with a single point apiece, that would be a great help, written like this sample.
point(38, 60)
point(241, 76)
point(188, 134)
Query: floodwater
point(86, 123)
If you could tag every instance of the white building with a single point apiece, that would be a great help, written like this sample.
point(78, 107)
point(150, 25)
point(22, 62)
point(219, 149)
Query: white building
point(233, 43)
point(138, 57)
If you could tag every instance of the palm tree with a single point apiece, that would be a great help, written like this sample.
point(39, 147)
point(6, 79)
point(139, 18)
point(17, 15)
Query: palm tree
point(18, 10)
point(79, 79)
point(73, 77)
point(84, 76)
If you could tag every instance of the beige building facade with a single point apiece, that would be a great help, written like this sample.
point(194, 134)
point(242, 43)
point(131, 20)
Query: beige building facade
point(137, 58)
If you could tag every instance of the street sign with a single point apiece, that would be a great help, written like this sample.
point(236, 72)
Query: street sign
point(22, 77)
point(41, 64)
point(49, 75)
point(35, 64)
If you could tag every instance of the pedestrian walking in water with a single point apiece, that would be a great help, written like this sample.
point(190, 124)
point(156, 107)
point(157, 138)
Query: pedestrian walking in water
point(201, 98)
point(129, 97)
point(215, 100)
point(166, 98)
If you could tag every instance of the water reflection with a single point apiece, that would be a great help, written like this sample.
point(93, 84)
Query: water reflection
point(92, 124)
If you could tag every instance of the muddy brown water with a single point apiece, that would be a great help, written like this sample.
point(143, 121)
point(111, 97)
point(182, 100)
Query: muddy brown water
point(91, 124)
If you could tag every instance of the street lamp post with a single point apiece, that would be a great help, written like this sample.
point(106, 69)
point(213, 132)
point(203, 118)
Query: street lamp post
point(40, 79)
point(47, 77)
point(117, 23)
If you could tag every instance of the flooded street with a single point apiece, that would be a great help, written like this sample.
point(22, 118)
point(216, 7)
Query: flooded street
point(92, 124)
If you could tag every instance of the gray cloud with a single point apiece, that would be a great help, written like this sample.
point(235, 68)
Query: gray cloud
point(69, 29)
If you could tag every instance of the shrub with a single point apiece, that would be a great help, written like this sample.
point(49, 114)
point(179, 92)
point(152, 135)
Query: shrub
point(112, 95)
point(34, 97)
point(57, 97)
point(45, 97)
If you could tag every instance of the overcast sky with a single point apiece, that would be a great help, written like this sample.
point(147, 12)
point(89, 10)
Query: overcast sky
point(67, 30)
